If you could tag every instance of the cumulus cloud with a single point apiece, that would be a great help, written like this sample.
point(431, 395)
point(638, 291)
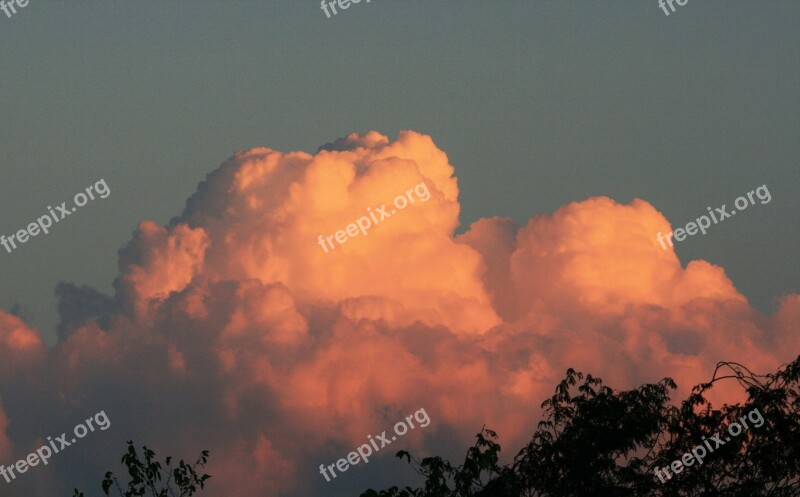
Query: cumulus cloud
point(231, 329)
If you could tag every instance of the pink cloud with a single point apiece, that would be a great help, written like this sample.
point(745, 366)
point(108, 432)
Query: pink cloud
point(232, 330)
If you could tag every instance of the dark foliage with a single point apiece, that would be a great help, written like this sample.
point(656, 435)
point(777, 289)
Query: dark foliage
point(595, 441)
point(146, 476)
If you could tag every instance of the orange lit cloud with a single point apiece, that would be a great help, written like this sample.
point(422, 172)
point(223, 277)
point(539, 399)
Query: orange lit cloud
point(231, 329)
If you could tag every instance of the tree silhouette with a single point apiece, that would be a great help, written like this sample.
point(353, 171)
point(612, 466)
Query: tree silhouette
point(596, 441)
point(146, 476)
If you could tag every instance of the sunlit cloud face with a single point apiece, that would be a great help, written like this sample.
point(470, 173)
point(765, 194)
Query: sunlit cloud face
point(232, 330)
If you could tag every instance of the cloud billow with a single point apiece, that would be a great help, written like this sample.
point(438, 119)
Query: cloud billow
point(231, 330)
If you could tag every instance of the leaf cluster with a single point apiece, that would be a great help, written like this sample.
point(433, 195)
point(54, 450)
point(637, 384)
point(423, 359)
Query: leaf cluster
point(594, 440)
point(146, 476)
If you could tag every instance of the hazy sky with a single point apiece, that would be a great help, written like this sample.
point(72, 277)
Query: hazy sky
point(537, 104)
